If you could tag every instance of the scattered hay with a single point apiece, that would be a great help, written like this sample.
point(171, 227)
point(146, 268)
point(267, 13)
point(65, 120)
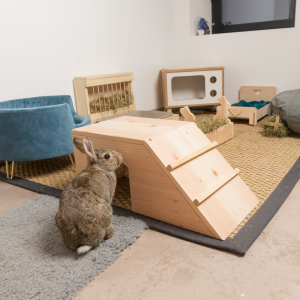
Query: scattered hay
point(281, 132)
point(113, 102)
point(210, 124)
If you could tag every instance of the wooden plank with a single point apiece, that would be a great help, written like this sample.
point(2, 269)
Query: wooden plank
point(193, 69)
point(117, 94)
point(257, 93)
point(103, 97)
point(191, 156)
point(112, 94)
point(223, 85)
point(195, 105)
point(108, 97)
point(94, 99)
point(80, 97)
point(99, 98)
point(108, 80)
point(215, 187)
point(87, 101)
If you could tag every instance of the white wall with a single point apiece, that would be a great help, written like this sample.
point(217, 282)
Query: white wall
point(45, 44)
point(265, 57)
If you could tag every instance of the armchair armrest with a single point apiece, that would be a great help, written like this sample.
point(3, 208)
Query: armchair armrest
point(81, 120)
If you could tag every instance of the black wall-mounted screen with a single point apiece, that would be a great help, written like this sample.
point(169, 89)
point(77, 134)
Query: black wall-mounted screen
point(247, 15)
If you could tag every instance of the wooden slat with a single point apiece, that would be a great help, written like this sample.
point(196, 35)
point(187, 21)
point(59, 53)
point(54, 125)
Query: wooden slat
point(108, 80)
point(112, 93)
point(193, 69)
point(272, 124)
point(128, 87)
point(108, 97)
point(103, 96)
point(191, 156)
point(94, 100)
point(125, 91)
point(117, 94)
point(99, 98)
point(215, 187)
point(121, 93)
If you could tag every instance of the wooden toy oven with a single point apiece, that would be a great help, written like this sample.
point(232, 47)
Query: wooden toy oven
point(192, 87)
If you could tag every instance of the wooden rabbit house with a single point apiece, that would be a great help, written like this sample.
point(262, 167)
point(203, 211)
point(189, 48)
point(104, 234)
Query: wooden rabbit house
point(176, 174)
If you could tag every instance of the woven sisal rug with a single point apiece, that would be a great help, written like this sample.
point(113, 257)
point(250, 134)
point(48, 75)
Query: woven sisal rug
point(263, 163)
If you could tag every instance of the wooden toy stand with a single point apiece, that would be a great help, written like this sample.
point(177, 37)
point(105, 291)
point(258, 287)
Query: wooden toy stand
point(176, 175)
point(252, 93)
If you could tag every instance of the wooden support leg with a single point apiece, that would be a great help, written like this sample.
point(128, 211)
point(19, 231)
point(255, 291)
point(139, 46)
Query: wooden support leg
point(74, 166)
point(168, 109)
point(254, 119)
point(12, 170)
point(212, 108)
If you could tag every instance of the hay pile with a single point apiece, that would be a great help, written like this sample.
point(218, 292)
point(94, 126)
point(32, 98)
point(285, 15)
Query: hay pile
point(113, 102)
point(282, 130)
point(209, 124)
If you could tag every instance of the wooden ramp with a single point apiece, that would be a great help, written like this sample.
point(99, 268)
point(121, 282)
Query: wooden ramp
point(176, 174)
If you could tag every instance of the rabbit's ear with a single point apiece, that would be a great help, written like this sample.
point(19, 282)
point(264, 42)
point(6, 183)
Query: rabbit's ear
point(89, 150)
point(79, 144)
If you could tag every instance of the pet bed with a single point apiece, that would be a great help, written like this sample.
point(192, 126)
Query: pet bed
point(253, 104)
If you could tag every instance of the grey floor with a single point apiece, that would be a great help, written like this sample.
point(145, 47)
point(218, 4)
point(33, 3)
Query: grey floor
point(159, 266)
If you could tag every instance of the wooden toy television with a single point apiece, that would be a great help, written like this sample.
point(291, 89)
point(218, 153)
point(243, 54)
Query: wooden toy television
point(192, 87)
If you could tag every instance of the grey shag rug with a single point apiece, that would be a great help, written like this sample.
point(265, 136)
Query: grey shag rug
point(36, 264)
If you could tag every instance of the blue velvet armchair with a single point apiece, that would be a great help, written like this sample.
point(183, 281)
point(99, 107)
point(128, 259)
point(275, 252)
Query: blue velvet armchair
point(37, 128)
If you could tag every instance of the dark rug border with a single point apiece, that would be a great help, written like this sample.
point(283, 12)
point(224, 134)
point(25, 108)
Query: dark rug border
point(238, 245)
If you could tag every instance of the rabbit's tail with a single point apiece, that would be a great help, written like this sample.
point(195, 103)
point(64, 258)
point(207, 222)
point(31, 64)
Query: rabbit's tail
point(83, 249)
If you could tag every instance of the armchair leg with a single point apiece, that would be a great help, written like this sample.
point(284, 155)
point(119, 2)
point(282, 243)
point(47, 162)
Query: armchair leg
point(74, 166)
point(12, 170)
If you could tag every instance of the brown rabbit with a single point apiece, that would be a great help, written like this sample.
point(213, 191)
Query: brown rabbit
point(84, 214)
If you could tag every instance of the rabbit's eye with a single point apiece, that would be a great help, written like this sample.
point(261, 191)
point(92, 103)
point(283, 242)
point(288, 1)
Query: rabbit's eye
point(106, 156)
